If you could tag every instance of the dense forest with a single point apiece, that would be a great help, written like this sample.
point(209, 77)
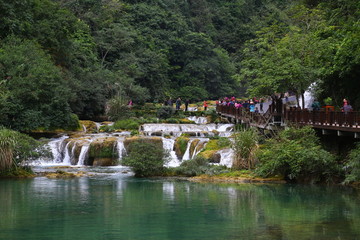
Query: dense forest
point(61, 60)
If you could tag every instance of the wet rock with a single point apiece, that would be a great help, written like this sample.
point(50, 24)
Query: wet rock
point(215, 158)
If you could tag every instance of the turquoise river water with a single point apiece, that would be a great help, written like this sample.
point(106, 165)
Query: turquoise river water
point(115, 205)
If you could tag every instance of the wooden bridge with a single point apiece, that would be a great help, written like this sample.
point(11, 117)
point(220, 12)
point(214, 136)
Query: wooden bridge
point(329, 122)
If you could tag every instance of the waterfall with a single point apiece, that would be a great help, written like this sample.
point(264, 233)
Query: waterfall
point(68, 154)
point(198, 120)
point(198, 150)
point(120, 148)
point(187, 152)
point(56, 146)
point(83, 154)
point(227, 156)
point(169, 147)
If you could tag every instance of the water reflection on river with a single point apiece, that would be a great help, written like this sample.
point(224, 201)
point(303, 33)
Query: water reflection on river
point(118, 206)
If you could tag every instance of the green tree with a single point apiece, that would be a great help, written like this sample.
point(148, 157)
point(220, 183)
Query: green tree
point(36, 94)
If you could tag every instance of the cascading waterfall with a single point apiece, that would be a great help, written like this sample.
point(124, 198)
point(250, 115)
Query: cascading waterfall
point(198, 120)
point(83, 154)
point(75, 151)
point(56, 147)
point(120, 148)
point(168, 144)
point(67, 158)
point(187, 152)
point(197, 150)
point(227, 156)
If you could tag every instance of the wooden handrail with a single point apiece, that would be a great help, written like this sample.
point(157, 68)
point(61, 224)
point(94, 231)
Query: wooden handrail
point(319, 119)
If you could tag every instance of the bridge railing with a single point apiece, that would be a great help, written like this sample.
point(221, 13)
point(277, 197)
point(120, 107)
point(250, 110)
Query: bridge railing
point(244, 114)
point(334, 119)
point(322, 118)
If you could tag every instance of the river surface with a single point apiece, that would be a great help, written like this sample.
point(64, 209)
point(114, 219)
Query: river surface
point(111, 204)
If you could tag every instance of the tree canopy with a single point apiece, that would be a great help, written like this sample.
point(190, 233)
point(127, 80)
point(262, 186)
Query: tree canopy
point(64, 57)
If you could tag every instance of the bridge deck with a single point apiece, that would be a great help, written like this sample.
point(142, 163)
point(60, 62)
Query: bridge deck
point(325, 120)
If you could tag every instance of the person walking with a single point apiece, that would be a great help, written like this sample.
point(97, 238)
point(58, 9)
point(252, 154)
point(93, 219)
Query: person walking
point(205, 105)
point(187, 101)
point(178, 103)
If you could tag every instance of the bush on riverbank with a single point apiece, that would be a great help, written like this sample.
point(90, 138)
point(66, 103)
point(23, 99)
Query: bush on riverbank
point(145, 158)
point(15, 150)
point(297, 155)
point(198, 166)
point(353, 165)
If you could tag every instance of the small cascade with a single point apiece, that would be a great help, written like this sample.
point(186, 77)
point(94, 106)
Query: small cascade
point(56, 147)
point(120, 148)
point(98, 125)
point(84, 153)
point(201, 144)
point(198, 120)
point(187, 152)
point(169, 146)
point(227, 156)
point(67, 158)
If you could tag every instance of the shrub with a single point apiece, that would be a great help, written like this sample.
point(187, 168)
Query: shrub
point(193, 167)
point(353, 165)
point(165, 112)
point(296, 155)
point(145, 158)
point(126, 124)
point(198, 166)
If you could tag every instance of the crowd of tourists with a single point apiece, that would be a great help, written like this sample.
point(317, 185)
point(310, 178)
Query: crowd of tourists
point(251, 105)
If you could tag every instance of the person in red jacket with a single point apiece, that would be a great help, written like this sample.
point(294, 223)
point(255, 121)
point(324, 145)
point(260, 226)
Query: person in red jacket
point(205, 105)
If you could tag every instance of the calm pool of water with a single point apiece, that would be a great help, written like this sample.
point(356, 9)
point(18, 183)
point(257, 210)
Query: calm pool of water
point(118, 206)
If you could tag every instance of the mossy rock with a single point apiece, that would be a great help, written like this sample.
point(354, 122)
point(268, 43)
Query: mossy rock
point(157, 134)
point(215, 158)
point(89, 125)
point(104, 162)
point(180, 146)
point(102, 148)
point(63, 174)
point(186, 121)
point(191, 134)
point(153, 140)
point(208, 154)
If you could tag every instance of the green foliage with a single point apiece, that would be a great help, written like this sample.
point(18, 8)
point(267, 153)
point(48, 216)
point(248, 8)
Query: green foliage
point(36, 95)
point(353, 165)
point(119, 109)
point(245, 144)
point(198, 166)
point(17, 148)
point(126, 124)
point(145, 159)
point(193, 167)
point(296, 155)
point(193, 93)
point(165, 112)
